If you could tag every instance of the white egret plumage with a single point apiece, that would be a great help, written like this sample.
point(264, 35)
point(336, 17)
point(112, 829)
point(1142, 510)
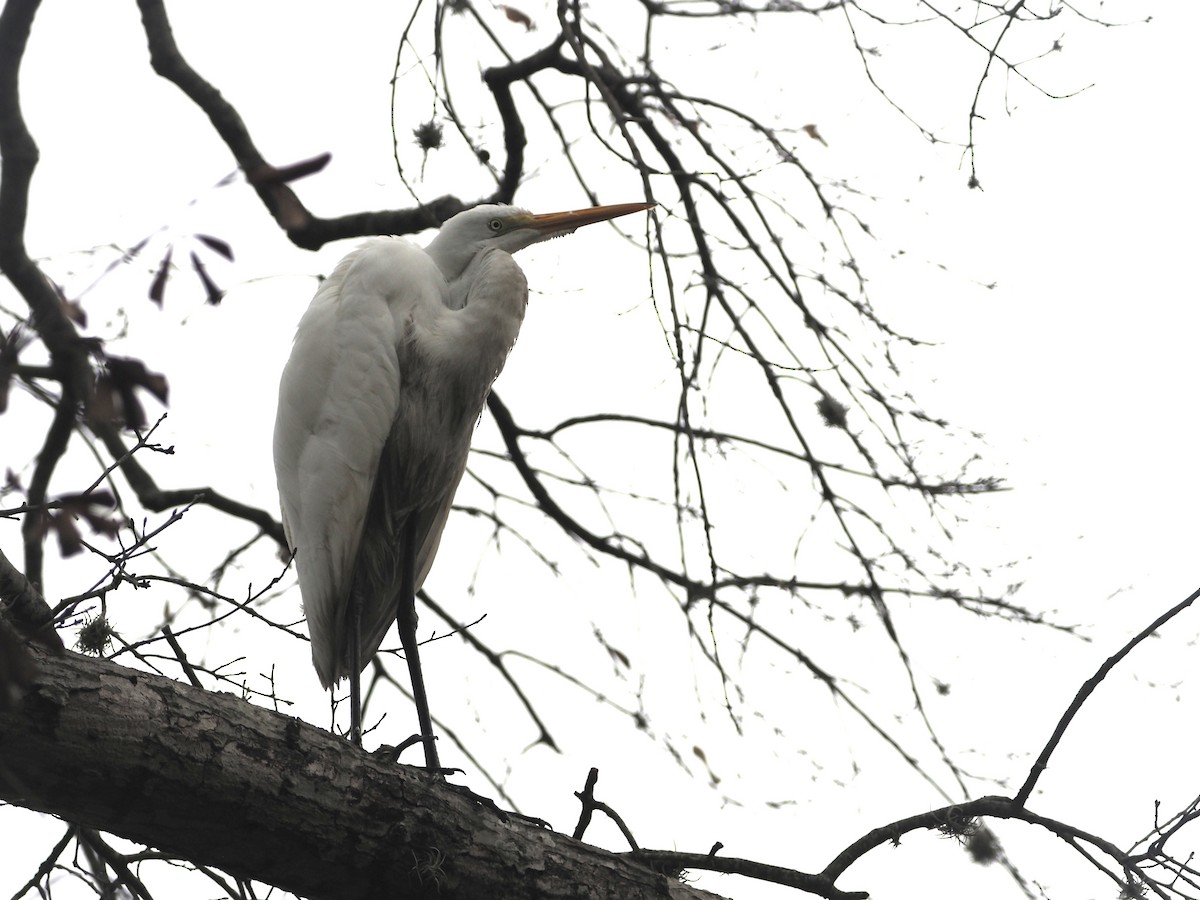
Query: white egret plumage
point(388, 375)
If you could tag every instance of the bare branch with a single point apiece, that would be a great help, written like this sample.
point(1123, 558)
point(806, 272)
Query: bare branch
point(1088, 687)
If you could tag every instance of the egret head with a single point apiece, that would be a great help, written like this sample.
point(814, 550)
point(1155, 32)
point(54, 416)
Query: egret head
point(509, 228)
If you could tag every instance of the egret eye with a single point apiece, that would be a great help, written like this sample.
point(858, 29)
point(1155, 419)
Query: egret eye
point(495, 226)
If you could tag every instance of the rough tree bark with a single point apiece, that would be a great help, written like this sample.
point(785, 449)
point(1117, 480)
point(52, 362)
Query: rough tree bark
point(262, 795)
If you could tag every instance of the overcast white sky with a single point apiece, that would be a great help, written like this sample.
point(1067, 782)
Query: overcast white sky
point(1078, 366)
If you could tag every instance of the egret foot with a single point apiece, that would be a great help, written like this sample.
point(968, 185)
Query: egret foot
point(393, 753)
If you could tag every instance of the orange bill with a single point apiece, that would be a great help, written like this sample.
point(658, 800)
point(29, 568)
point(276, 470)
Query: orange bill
point(567, 222)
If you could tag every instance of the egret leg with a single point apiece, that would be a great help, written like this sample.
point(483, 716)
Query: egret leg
point(355, 616)
point(406, 624)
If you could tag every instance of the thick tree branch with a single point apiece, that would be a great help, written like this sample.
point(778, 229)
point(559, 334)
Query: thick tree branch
point(302, 227)
point(26, 606)
point(282, 802)
point(68, 353)
point(499, 80)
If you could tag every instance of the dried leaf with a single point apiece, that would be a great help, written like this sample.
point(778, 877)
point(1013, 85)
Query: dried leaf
point(133, 372)
point(81, 505)
point(158, 286)
point(713, 777)
point(77, 504)
point(210, 287)
point(104, 525)
point(114, 399)
point(619, 656)
point(811, 131)
point(69, 540)
point(137, 248)
point(102, 406)
point(216, 245)
point(132, 411)
point(515, 15)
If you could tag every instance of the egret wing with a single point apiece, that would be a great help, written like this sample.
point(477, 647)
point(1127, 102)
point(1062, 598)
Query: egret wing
point(338, 399)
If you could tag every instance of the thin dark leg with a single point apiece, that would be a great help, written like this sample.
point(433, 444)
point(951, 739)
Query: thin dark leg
point(406, 624)
point(354, 620)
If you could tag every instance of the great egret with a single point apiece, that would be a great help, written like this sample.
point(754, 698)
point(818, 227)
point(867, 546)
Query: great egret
point(388, 375)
